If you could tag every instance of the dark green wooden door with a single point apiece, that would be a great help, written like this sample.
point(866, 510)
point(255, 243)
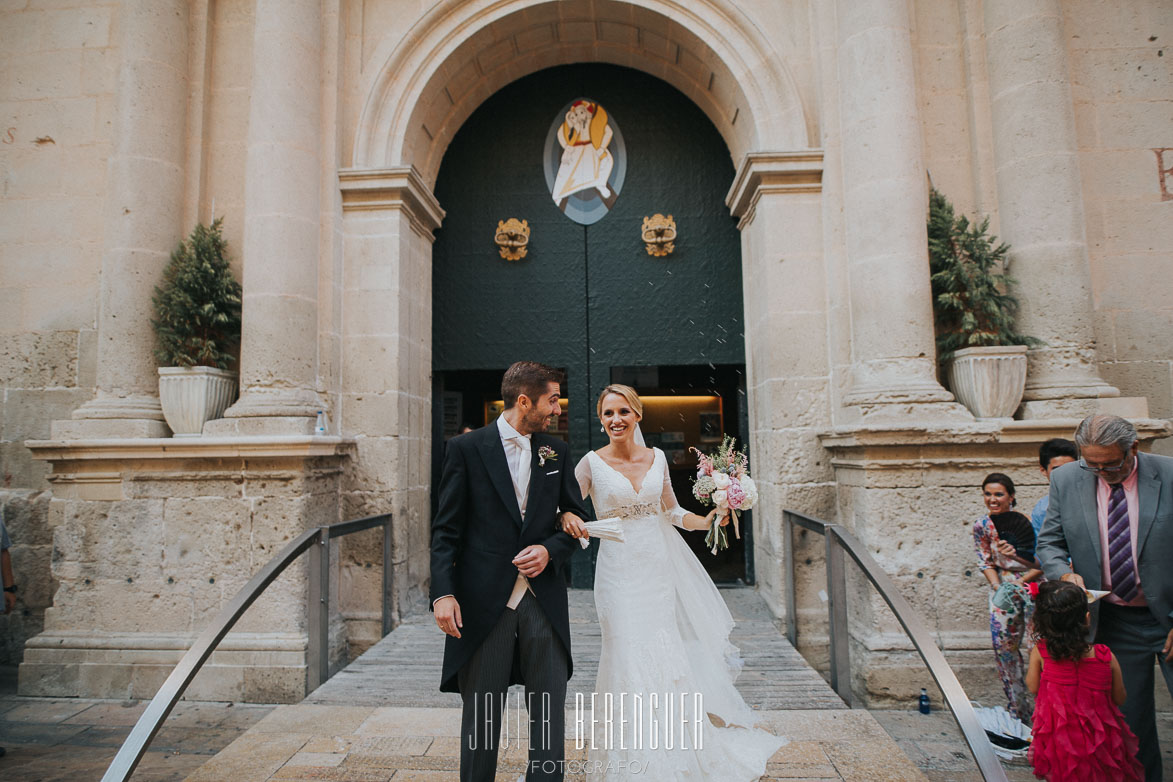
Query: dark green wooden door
point(587, 298)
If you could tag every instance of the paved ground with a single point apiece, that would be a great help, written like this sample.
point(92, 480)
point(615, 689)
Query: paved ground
point(73, 740)
point(382, 718)
point(934, 744)
point(403, 669)
point(367, 744)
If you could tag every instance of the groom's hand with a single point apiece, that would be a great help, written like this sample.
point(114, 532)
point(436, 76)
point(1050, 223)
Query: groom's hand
point(448, 615)
point(532, 560)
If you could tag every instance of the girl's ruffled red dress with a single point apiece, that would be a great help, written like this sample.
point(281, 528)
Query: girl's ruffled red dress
point(1078, 733)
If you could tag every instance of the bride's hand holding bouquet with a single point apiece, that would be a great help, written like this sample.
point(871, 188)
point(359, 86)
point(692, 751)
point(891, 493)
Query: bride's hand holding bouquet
point(722, 480)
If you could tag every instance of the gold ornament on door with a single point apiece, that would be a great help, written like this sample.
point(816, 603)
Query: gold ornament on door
point(512, 237)
point(659, 234)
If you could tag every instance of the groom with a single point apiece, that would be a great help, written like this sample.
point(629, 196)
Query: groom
point(497, 590)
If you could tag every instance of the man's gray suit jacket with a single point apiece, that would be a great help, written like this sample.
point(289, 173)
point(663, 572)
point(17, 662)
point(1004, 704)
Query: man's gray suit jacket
point(1072, 529)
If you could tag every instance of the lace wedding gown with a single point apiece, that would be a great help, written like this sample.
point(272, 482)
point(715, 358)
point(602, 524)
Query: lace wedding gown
point(665, 632)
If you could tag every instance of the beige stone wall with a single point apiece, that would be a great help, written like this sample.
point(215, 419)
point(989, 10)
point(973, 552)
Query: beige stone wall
point(1121, 80)
point(952, 86)
point(58, 68)
point(1122, 85)
point(225, 130)
point(146, 563)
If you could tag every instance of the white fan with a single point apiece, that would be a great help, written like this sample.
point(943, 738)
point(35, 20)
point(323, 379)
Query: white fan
point(607, 529)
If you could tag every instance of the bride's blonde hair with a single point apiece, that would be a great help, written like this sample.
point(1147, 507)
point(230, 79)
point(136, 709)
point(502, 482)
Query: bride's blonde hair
point(627, 392)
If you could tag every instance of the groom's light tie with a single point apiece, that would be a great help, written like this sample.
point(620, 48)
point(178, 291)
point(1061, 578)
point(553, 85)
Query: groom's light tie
point(519, 471)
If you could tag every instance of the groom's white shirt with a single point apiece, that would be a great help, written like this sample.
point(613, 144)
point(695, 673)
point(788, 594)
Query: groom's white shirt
point(517, 456)
point(517, 453)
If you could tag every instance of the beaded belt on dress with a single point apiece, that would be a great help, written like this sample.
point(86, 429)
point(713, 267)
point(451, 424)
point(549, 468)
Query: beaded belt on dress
point(635, 510)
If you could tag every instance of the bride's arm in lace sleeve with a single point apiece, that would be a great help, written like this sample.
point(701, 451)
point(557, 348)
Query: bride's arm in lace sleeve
point(680, 517)
point(572, 525)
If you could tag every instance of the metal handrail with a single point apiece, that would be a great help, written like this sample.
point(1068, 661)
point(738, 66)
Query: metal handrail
point(317, 664)
point(838, 540)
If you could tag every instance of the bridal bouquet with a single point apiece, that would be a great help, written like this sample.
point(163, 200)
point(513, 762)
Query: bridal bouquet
point(722, 479)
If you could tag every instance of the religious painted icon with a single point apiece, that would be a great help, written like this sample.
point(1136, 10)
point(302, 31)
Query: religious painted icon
point(585, 161)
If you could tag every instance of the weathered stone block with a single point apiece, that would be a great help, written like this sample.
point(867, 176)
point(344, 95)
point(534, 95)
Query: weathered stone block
point(1153, 379)
point(274, 685)
point(788, 456)
point(793, 403)
point(39, 359)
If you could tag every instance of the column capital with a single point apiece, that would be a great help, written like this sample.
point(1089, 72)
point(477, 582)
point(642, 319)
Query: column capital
point(392, 188)
point(798, 171)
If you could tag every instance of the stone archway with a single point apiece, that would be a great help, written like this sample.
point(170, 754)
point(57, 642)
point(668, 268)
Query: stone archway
point(460, 53)
point(429, 83)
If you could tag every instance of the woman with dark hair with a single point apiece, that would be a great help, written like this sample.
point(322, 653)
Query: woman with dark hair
point(1005, 543)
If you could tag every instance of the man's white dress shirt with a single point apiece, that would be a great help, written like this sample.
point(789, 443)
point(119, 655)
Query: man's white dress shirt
point(518, 450)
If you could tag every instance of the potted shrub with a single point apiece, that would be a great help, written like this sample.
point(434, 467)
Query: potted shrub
point(974, 307)
point(197, 324)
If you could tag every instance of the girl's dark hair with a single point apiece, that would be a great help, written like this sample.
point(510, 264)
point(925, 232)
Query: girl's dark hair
point(997, 477)
point(1060, 611)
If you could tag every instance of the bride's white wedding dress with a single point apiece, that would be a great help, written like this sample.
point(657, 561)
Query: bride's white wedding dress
point(665, 632)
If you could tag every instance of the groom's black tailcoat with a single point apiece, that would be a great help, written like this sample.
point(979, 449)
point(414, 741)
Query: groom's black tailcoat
point(478, 530)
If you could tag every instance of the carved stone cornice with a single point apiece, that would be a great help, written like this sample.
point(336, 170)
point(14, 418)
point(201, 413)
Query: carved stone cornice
point(297, 446)
point(973, 446)
point(392, 188)
point(800, 171)
point(96, 469)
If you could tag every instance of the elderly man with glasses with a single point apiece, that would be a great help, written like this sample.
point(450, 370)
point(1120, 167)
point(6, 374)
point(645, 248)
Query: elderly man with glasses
point(1111, 512)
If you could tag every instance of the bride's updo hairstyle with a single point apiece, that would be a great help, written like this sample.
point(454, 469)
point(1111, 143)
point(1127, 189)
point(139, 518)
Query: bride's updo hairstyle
point(627, 392)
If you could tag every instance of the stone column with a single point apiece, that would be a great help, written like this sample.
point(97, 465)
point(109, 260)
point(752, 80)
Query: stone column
point(144, 221)
point(279, 340)
point(777, 199)
point(885, 206)
point(388, 220)
point(1040, 202)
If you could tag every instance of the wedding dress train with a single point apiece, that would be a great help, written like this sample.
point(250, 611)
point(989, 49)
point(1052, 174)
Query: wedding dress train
point(666, 661)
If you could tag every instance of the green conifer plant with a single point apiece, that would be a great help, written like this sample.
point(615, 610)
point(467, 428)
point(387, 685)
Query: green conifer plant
point(973, 300)
point(197, 304)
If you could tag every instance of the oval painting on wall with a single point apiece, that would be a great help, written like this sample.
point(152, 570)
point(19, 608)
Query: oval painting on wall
point(585, 161)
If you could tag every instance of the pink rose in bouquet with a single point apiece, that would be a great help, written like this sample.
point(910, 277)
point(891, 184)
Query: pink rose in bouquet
point(735, 495)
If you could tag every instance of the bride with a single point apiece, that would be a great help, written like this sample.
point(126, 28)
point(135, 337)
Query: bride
point(665, 706)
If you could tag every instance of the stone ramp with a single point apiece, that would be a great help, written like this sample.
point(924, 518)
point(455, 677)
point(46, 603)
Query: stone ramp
point(383, 718)
point(403, 669)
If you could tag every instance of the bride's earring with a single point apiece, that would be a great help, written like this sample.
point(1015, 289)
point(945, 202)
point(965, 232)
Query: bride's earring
point(602, 429)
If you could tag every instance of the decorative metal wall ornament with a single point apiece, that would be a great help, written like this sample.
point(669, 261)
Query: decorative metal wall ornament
point(512, 237)
point(659, 234)
point(585, 161)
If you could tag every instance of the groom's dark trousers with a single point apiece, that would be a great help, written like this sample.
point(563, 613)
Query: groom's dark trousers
point(483, 683)
point(476, 532)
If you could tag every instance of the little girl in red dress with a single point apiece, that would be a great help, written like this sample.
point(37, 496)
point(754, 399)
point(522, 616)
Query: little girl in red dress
point(1078, 730)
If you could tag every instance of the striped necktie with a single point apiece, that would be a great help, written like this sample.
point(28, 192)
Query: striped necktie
point(1120, 567)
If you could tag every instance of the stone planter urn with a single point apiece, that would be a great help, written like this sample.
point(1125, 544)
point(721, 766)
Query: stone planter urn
point(988, 380)
point(192, 396)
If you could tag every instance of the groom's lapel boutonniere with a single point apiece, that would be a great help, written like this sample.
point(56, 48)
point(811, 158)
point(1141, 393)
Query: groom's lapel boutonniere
point(546, 453)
